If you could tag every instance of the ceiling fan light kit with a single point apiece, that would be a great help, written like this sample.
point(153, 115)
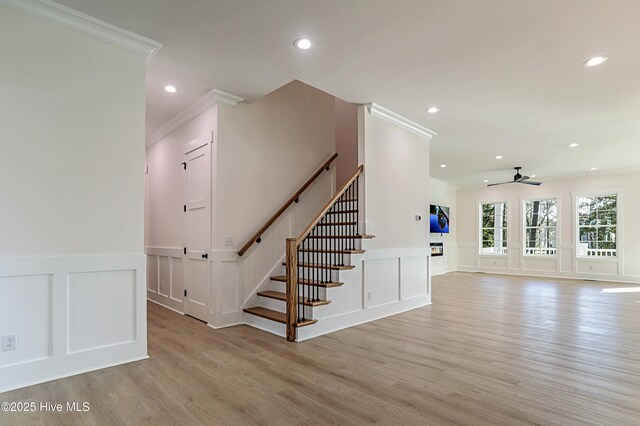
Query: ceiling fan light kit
point(518, 178)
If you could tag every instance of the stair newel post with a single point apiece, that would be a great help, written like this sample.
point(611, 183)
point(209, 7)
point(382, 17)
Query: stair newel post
point(292, 288)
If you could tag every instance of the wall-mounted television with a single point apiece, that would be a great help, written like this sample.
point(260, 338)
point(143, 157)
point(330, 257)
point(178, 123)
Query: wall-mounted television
point(439, 219)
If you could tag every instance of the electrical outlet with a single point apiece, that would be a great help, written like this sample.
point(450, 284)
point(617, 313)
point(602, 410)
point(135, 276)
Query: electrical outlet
point(369, 295)
point(9, 343)
point(418, 218)
point(591, 267)
point(228, 241)
point(162, 284)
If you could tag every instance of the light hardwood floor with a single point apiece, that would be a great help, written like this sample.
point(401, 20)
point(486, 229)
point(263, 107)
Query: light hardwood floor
point(495, 350)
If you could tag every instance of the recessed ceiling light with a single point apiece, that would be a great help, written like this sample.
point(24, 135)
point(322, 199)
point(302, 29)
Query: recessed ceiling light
point(594, 168)
point(498, 157)
point(170, 89)
point(532, 176)
point(443, 165)
point(485, 181)
point(302, 43)
point(432, 110)
point(596, 60)
point(573, 145)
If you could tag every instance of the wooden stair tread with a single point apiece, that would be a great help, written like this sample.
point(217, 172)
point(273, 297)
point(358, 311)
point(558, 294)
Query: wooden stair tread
point(278, 295)
point(344, 237)
point(275, 316)
point(323, 266)
point(337, 223)
point(305, 281)
point(348, 251)
point(342, 211)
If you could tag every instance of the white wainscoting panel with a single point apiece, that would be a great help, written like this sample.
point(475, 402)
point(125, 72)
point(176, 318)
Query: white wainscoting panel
point(597, 266)
point(398, 280)
point(101, 309)
point(542, 264)
point(166, 277)
point(382, 281)
point(164, 268)
point(413, 276)
point(176, 279)
point(566, 260)
point(493, 262)
point(632, 262)
point(72, 314)
point(32, 323)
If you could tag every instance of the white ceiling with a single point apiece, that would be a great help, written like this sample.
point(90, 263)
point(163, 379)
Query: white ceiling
point(506, 74)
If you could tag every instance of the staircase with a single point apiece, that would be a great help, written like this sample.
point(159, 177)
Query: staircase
point(314, 260)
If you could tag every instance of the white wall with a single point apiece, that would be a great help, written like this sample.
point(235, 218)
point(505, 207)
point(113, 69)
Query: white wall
point(71, 183)
point(624, 268)
point(444, 194)
point(397, 184)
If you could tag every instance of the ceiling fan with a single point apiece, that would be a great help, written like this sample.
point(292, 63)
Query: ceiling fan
point(518, 178)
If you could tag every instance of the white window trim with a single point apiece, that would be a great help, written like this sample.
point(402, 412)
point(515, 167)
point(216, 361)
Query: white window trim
point(619, 223)
point(523, 222)
point(479, 204)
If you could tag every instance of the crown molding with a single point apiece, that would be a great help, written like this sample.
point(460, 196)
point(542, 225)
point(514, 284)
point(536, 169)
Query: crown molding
point(397, 119)
point(442, 182)
point(85, 24)
point(209, 99)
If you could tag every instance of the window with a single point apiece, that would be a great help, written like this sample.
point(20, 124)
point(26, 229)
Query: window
point(540, 221)
point(493, 236)
point(597, 225)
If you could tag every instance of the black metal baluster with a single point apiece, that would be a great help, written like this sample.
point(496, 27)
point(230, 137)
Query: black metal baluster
point(330, 242)
point(315, 259)
point(348, 227)
point(338, 239)
point(299, 255)
point(353, 215)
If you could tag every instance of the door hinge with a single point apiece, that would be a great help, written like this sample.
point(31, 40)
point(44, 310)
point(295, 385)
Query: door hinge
point(185, 293)
point(184, 165)
point(185, 208)
point(184, 250)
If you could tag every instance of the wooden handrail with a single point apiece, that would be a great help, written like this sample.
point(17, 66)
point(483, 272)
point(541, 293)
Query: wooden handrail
point(254, 238)
point(307, 230)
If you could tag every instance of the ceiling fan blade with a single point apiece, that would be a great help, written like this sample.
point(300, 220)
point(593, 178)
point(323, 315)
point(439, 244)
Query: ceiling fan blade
point(530, 182)
point(523, 178)
point(501, 183)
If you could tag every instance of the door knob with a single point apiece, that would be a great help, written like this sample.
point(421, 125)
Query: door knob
point(205, 256)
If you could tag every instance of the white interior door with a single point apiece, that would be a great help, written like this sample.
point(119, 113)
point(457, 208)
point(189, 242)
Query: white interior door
point(197, 208)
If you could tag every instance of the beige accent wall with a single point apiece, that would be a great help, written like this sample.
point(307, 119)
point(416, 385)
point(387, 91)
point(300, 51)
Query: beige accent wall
point(346, 140)
point(266, 150)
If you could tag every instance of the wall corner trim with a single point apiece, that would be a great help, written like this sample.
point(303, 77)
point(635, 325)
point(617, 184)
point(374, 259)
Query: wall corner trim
point(206, 101)
point(72, 19)
point(388, 115)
